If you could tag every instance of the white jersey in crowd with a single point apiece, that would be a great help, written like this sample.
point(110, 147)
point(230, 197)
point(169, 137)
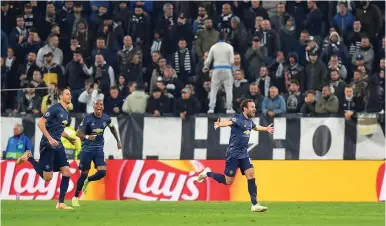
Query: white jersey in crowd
point(222, 55)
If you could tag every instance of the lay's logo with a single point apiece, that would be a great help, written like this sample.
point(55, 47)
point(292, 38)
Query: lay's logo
point(381, 183)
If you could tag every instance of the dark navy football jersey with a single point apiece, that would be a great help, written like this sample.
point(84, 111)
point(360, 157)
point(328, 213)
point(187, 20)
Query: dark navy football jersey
point(91, 125)
point(57, 119)
point(238, 141)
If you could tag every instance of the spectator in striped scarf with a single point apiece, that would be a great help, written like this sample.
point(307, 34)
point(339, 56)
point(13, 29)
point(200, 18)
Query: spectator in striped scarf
point(182, 62)
point(353, 38)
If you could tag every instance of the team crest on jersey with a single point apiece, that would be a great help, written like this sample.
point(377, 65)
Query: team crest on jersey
point(64, 122)
point(47, 114)
point(97, 131)
point(231, 172)
point(247, 133)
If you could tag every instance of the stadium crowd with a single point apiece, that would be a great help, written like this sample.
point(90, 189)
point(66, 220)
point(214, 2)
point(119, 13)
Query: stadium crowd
point(148, 56)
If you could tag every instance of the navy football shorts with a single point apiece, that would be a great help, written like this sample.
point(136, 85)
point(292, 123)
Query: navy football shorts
point(52, 159)
point(96, 156)
point(232, 164)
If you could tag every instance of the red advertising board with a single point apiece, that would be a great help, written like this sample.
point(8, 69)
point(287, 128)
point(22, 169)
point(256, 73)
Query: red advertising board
point(151, 180)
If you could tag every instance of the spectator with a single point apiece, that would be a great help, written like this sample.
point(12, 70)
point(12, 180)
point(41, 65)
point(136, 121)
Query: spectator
point(139, 27)
point(366, 51)
point(309, 104)
point(136, 101)
point(183, 62)
point(148, 70)
point(51, 18)
point(51, 46)
point(277, 71)
point(224, 21)
point(255, 58)
point(271, 7)
point(335, 47)
point(240, 88)
point(122, 87)
point(19, 34)
point(83, 36)
point(301, 48)
point(126, 53)
point(254, 11)
point(75, 77)
point(182, 30)
point(279, 19)
point(132, 86)
point(204, 99)
point(52, 72)
point(271, 39)
point(7, 14)
point(158, 103)
point(236, 64)
point(101, 49)
point(158, 44)
point(199, 23)
point(102, 73)
point(371, 18)
point(97, 18)
point(113, 103)
point(354, 37)
point(295, 71)
point(288, 36)
point(187, 105)
point(337, 85)
point(122, 14)
point(134, 71)
point(223, 57)
point(206, 39)
point(33, 43)
point(239, 35)
point(91, 94)
point(68, 8)
point(257, 30)
point(49, 100)
point(336, 64)
point(26, 70)
point(157, 72)
point(314, 20)
point(328, 103)
point(10, 79)
point(165, 23)
point(162, 85)
point(112, 32)
point(316, 74)
point(350, 105)
point(312, 46)
point(173, 85)
point(294, 98)
point(274, 104)
point(38, 82)
point(17, 144)
point(359, 84)
point(29, 103)
point(264, 81)
point(343, 20)
point(254, 94)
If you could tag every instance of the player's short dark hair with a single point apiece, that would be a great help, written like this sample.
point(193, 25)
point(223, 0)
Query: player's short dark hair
point(61, 90)
point(244, 103)
point(349, 86)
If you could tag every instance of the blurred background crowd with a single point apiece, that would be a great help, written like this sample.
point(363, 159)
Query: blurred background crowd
point(147, 56)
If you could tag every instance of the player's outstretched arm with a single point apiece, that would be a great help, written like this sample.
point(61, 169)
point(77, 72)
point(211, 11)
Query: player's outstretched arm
point(65, 135)
point(223, 123)
point(268, 129)
point(115, 134)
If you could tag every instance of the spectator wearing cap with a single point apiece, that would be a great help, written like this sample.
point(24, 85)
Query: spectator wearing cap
point(312, 46)
point(254, 11)
point(309, 104)
point(51, 46)
point(353, 38)
point(206, 39)
point(359, 63)
point(371, 18)
point(288, 36)
point(72, 20)
point(113, 103)
point(182, 61)
point(136, 102)
point(336, 64)
point(337, 84)
point(52, 72)
point(187, 105)
point(30, 102)
point(328, 103)
point(112, 32)
point(19, 34)
point(273, 105)
point(239, 35)
point(294, 98)
point(222, 56)
point(33, 43)
point(240, 88)
point(270, 39)
point(314, 20)
point(7, 14)
point(158, 104)
point(162, 85)
point(350, 105)
point(316, 74)
point(254, 57)
point(280, 17)
point(30, 19)
point(139, 28)
point(294, 71)
point(366, 50)
point(18, 143)
point(182, 30)
point(335, 47)
point(343, 20)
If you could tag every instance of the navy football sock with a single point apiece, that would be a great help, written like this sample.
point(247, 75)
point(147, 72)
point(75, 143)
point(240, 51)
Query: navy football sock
point(36, 166)
point(63, 188)
point(97, 176)
point(217, 177)
point(80, 183)
point(252, 189)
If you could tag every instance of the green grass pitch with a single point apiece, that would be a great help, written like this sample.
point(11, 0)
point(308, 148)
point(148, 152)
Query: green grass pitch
point(136, 213)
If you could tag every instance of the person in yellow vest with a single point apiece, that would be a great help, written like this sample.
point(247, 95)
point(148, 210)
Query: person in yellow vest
point(47, 101)
point(72, 150)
